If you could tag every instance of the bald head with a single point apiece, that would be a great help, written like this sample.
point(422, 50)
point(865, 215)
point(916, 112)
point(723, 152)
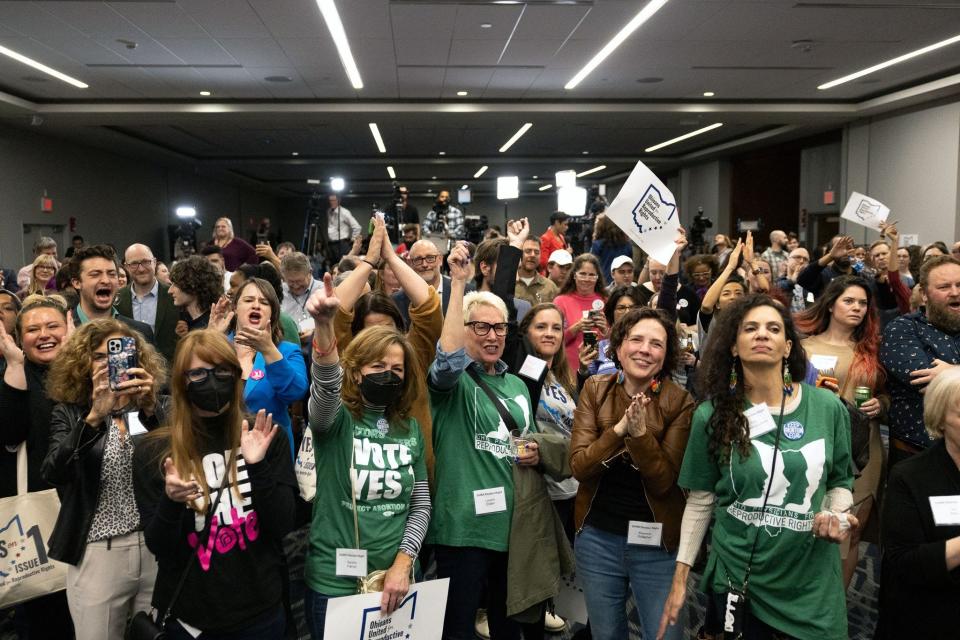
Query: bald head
point(778, 239)
point(426, 261)
point(139, 261)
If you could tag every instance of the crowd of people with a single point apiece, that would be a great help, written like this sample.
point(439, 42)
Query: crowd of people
point(503, 415)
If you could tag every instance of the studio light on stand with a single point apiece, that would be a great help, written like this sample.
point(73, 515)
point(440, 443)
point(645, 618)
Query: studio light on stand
point(184, 235)
point(508, 188)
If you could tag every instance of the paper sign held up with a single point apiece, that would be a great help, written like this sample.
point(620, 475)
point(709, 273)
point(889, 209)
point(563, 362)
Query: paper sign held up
point(865, 211)
point(419, 616)
point(646, 211)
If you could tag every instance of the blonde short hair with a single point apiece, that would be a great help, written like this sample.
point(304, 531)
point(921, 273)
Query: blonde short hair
point(475, 299)
point(942, 394)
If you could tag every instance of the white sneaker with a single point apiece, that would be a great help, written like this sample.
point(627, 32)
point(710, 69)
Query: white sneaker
point(553, 624)
point(481, 625)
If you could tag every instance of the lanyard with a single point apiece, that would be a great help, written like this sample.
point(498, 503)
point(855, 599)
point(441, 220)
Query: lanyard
point(306, 296)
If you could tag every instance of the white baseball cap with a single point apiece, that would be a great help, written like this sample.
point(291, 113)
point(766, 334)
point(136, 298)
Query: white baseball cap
point(619, 261)
point(561, 257)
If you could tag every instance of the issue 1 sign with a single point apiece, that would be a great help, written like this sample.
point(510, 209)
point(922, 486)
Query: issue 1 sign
point(419, 616)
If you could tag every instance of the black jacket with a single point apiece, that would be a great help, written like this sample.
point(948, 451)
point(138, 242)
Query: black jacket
point(26, 416)
point(918, 596)
point(73, 465)
point(166, 322)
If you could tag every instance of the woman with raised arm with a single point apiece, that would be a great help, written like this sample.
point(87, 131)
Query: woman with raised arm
point(216, 495)
point(725, 289)
point(369, 458)
point(843, 343)
point(769, 459)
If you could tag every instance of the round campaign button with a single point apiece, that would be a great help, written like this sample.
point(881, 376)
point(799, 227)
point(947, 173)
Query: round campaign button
point(793, 430)
point(256, 374)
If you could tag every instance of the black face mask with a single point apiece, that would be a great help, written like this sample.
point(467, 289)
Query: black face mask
point(212, 394)
point(382, 388)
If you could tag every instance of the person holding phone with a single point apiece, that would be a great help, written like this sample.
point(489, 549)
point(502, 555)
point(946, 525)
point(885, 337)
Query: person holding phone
point(581, 299)
point(93, 433)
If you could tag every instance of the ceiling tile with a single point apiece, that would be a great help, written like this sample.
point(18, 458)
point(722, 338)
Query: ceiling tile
point(422, 22)
point(255, 52)
point(548, 22)
point(501, 19)
point(198, 50)
point(226, 18)
point(160, 19)
point(423, 52)
point(475, 52)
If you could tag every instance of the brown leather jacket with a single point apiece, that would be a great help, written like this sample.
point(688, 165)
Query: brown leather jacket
point(657, 454)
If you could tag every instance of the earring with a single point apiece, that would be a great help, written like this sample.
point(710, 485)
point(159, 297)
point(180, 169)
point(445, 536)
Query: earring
point(787, 378)
point(733, 376)
point(655, 386)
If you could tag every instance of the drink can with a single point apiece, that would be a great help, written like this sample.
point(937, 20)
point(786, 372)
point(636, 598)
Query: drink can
point(861, 395)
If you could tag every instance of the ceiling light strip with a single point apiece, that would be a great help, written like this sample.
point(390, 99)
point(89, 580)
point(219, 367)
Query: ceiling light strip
point(482, 170)
point(645, 14)
point(332, 17)
point(545, 187)
point(685, 136)
point(375, 130)
point(522, 130)
point(39, 66)
point(891, 62)
point(589, 171)
point(391, 173)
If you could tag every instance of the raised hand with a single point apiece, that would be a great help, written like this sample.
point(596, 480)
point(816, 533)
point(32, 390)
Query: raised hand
point(377, 239)
point(71, 325)
point(733, 262)
point(323, 302)
point(8, 347)
point(222, 314)
point(254, 442)
point(459, 262)
point(175, 487)
point(517, 232)
point(680, 241)
point(890, 231)
point(748, 248)
point(102, 398)
point(841, 247)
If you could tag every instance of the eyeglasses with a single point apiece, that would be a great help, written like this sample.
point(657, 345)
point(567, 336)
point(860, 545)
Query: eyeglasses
point(201, 373)
point(430, 260)
point(702, 274)
point(483, 328)
point(585, 275)
point(138, 264)
point(624, 307)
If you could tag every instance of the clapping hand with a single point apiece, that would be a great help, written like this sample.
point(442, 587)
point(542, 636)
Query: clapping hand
point(8, 348)
point(221, 314)
point(377, 239)
point(254, 442)
point(257, 339)
point(748, 248)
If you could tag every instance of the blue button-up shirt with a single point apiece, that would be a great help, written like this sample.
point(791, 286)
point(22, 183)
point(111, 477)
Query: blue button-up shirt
point(910, 343)
point(447, 367)
point(145, 308)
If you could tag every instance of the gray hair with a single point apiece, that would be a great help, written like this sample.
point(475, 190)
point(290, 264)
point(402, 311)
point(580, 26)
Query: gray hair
point(941, 395)
point(295, 262)
point(476, 299)
point(44, 242)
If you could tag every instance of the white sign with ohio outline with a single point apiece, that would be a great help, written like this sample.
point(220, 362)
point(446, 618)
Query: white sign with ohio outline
point(419, 616)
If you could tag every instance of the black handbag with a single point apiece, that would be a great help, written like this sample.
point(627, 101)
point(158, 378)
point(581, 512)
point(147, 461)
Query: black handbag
point(142, 625)
point(859, 435)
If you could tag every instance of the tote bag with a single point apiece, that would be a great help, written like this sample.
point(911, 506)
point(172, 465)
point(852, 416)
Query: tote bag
point(306, 467)
point(26, 522)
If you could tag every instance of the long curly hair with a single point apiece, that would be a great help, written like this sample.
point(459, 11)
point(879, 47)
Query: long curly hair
point(70, 379)
point(728, 427)
point(570, 284)
point(369, 346)
point(865, 369)
point(559, 365)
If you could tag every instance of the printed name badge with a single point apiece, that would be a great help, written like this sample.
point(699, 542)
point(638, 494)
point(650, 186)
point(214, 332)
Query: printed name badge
point(946, 510)
point(823, 363)
point(351, 563)
point(533, 367)
point(134, 426)
point(489, 501)
point(645, 533)
point(760, 420)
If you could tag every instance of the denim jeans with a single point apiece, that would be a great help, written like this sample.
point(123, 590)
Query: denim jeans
point(608, 569)
point(315, 611)
point(270, 626)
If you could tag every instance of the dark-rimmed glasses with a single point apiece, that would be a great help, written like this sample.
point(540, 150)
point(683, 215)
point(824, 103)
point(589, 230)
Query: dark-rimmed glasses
point(483, 328)
point(201, 373)
point(430, 260)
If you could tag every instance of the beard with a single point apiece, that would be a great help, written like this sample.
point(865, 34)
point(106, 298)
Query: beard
point(943, 318)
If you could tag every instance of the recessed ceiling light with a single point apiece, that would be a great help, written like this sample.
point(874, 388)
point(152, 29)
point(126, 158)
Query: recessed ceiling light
point(313, 181)
point(485, 25)
point(589, 171)
point(391, 173)
point(39, 66)
point(376, 137)
point(295, 153)
point(645, 14)
point(890, 63)
point(683, 137)
point(433, 177)
point(465, 187)
point(586, 153)
point(205, 93)
point(545, 187)
point(461, 93)
point(441, 153)
point(522, 130)
point(480, 171)
point(534, 177)
point(708, 94)
point(335, 25)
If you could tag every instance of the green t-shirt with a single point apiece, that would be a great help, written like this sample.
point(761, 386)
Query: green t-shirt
point(290, 332)
point(386, 466)
point(472, 449)
point(795, 582)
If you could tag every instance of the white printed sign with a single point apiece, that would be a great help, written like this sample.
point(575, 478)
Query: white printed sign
point(865, 211)
point(646, 211)
point(419, 616)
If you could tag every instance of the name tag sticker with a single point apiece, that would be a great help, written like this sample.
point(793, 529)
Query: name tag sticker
point(306, 324)
point(352, 563)
point(134, 426)
point(533, 367)
point(823, 363)
point(946, 510)
point(810, 297)
point(489, 501)
point(645, 533)
point(760, 421)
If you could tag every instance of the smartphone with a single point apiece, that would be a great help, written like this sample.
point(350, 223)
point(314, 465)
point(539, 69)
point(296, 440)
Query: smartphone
point(121, 357)
point(590, 338)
